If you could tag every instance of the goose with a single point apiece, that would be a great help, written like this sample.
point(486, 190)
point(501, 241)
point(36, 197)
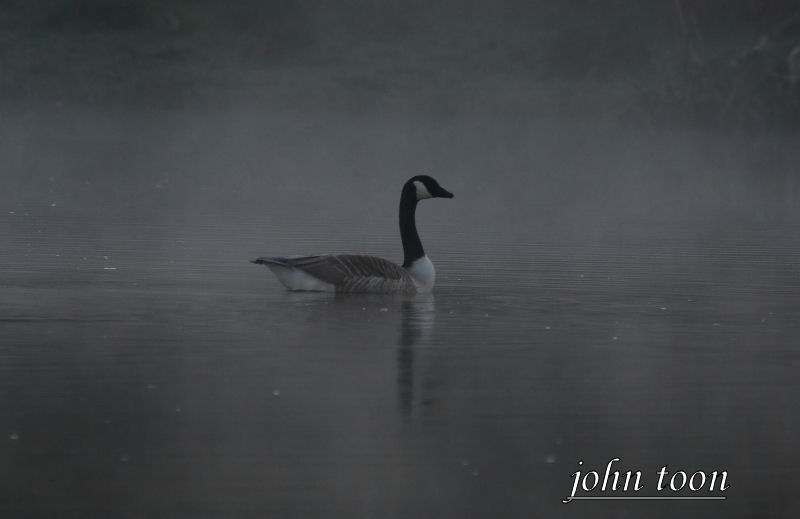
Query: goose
point(351, 273)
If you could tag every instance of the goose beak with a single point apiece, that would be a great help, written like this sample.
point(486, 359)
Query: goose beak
point(443, 193)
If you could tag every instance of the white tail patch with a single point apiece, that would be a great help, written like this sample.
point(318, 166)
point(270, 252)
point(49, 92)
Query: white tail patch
point(422, 191)
point(296, 279)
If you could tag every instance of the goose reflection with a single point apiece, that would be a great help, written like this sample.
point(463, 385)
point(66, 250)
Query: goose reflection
point(416, 324)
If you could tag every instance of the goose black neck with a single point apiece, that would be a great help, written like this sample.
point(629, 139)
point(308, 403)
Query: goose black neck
point(412, 246)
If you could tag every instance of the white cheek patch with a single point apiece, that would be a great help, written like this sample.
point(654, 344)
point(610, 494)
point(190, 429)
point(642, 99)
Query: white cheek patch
point(422, 191)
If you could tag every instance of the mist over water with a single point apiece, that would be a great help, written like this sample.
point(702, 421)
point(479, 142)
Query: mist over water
point(604, 289)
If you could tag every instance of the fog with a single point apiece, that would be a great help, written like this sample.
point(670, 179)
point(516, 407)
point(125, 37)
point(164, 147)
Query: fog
point(617, 275)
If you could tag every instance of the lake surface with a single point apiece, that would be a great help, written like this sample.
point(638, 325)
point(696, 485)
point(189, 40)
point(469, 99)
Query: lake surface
point(148, 370)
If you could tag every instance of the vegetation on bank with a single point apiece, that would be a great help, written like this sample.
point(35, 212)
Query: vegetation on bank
point(722, 64)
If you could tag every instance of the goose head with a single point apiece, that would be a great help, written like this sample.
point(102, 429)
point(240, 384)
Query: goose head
point(423, 186)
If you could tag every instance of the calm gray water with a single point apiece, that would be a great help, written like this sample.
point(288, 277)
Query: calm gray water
point(587, 307)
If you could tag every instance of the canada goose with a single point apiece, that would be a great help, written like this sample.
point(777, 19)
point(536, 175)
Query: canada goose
point(358, 273)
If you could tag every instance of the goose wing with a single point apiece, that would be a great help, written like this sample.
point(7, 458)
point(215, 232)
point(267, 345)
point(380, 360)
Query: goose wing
point(339, 269)
point(347, 272)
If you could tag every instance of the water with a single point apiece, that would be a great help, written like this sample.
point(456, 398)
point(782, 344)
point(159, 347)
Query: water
point(147, 369)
